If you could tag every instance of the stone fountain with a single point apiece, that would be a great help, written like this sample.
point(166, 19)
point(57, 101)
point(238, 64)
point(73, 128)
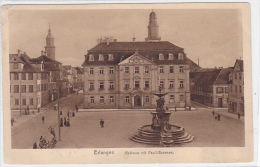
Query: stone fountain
point(161, 132)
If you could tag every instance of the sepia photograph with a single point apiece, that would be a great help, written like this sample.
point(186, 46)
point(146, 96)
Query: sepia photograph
point(132, 80)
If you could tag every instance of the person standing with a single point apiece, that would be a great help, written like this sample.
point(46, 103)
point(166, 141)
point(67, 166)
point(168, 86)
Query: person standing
point(34, 145)
point(238, 115)
point(218, 117)
point(61, 122)
point(213, 113)
point(102, 123)
point(65, 122)
point(43, 119)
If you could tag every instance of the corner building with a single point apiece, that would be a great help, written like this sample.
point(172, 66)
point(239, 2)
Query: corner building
point(127, 74)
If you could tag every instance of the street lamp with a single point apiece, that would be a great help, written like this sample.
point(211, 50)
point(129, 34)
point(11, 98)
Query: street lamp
point(59, 115)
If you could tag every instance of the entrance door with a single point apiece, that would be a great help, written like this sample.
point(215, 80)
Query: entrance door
point(137, 101)
point(219, 102)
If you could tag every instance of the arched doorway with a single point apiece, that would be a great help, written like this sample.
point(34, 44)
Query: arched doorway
point(137, 101)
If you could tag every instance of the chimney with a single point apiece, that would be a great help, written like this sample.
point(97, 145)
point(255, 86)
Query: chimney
point(42, 53)
point(19, 52)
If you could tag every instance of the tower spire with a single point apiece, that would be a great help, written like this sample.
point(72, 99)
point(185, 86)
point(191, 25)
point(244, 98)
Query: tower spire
point(153, 28)
point(50, 48)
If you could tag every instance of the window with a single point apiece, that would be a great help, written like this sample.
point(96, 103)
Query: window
point(101, 71)
point(171, 98)
point(16, 101)
point(23, 77)
point(226, 89)
point(171, 84)
point(16, 76)
point(161, 57)
point(112, 99)
point(137, 70)
point(161, 69)
point(180, 56)
point(23, 88)
point(31, 101)
point(127, 99)
point(30, 76)
point(240, 76)
point(181, 84)
point(101, 85)
point(100, 57)
point(101, 99)
point(24, 102)
point(91, 85)
point(111, 85)
point(15, 65)
point(126, 85)
point(111, 70)
point(220, 90)
point(92, 100)
point(171, 69)
point(91, 57)
point(170, 56)
point(30, 88)
point(127, 70)
point(146, 69)
point(91, 70)
point(181, 97)
point(147, 99)
point(146, 84)
point(181, 69)
point(162, 84)
point(136, 84)
point(240, 89)
point(110, 57)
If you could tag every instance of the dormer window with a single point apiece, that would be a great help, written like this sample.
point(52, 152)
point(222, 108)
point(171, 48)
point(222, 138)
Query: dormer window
point(91, 57)
point(170, 56)
point(100, 57)
point(161, 57)
point(110, 57)
point(180, 56)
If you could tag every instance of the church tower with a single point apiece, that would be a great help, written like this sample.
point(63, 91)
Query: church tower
point(50, 48)
point(153, 28)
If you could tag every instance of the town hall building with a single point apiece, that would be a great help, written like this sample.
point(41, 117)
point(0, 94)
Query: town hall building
point(128, 74)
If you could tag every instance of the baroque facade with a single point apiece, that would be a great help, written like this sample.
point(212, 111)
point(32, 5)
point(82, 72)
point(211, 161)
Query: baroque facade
point(127, 74)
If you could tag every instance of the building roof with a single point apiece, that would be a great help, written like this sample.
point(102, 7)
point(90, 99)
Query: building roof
point(79, 70)
point(148, 49)
point(240, 64)
point(211, 77)
point(133, 46)
point(44, 59)
point(67, 67)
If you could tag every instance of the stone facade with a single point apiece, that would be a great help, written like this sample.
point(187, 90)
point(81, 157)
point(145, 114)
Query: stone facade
point(236, 89)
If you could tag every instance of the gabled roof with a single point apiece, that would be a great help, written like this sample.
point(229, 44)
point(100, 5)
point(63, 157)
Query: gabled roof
point(13, 58)
point(28, 67)
point(43, 58)
point(136, 57)
point(211, 77)
point(193, 66)
point(79, 70)
point(239, 64)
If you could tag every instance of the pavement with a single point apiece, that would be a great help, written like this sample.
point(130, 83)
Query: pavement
point(120, 125)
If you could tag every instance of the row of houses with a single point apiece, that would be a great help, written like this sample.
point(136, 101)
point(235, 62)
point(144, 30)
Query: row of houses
point(223, 87)
point(34, 82)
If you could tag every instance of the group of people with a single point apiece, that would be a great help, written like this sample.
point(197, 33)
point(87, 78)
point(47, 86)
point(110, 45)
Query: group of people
point(216, 117)
point(48, 142)
point(65, 121)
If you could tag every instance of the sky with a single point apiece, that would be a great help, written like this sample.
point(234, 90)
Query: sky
point(212, 36)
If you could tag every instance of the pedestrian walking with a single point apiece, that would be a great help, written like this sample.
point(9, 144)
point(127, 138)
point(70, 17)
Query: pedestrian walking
point(43, 119)
point(213, 113)
point(68, 122)
point(238, 115)
point(73, 114)
point(218, 117)
point(65, 122)
point(60, 112)
point(102, 123)
point(34, 145)
point(61, 122)
point(12, 121)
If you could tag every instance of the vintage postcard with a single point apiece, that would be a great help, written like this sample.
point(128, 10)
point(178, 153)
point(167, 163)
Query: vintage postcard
point(127, 83)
